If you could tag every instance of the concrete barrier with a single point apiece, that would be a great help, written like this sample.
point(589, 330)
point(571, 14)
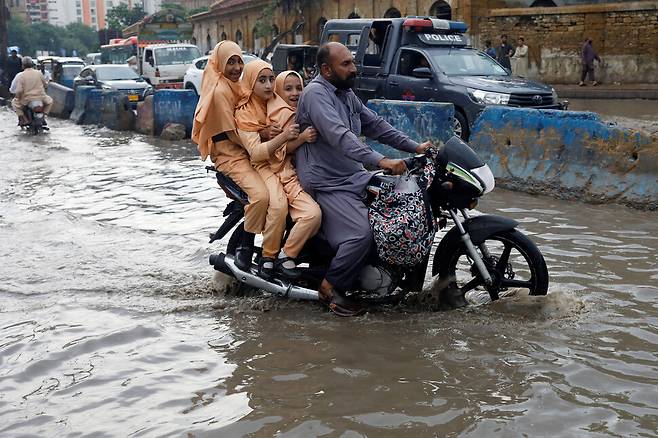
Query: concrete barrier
point(63, 100)
point(144, 122)
point(568, 154)
point(78, 115)
point(174, 106)
point(116, 112)
point(421, 121)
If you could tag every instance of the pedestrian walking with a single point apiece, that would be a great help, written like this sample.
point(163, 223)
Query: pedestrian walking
point(13, 66)
point(489, 50)
point(520, 59)
point(504, 52)
point(587, 57)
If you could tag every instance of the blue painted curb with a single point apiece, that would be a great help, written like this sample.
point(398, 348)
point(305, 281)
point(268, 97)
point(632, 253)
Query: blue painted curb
point(174, 106)
point(568, 154)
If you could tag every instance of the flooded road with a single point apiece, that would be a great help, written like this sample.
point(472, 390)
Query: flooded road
point(109, 324)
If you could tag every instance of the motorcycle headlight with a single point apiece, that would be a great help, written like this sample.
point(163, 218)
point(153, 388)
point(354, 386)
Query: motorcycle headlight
point(488, 97)
point(105, 87)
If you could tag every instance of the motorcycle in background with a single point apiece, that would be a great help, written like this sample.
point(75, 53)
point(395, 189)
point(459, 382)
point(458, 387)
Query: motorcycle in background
point(36, 119)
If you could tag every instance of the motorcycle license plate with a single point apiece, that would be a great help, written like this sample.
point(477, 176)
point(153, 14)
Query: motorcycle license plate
point(133, 97)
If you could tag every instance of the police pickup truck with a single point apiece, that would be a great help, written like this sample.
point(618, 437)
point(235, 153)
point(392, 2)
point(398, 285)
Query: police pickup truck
point(428, 59)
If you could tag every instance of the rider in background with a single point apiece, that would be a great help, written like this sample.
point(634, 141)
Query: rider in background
point(269, 159)
point(214, 131)
point(29, 85)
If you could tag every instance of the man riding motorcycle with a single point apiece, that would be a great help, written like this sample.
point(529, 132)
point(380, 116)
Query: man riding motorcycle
point(332, 169)
point(29, 85)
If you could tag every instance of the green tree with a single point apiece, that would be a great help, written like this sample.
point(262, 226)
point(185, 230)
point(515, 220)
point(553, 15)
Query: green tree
point(120, 17)
point(43, 36)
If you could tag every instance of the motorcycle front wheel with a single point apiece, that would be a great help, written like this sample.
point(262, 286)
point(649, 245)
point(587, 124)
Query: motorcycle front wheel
point(511, 258)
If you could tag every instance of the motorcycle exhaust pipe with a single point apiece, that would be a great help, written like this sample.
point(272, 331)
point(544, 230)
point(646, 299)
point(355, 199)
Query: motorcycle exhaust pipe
point(217, 261)
point(225, 263)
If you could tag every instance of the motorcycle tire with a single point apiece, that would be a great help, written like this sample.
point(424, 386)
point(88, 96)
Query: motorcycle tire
point(454, 263)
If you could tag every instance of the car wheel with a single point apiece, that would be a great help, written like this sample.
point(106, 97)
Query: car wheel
point(190, 86)
point(460, 126)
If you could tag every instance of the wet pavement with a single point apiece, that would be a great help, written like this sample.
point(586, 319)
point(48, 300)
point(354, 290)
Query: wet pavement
point(110, 324)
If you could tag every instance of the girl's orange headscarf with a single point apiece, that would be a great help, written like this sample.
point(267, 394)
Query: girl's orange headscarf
point(214, 112)
point(251, 114)
point(278, 111)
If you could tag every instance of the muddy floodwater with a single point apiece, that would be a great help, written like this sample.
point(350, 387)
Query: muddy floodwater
point(110, 326)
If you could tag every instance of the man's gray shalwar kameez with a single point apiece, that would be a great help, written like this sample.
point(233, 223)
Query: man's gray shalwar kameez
point(332, 170)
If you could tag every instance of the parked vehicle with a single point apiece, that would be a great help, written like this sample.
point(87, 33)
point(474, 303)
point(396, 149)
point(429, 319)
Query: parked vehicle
point(427, 59)
point(93, 58)
point(480, 252)
point(162, 65)
point(115, 77)
point(194, 74)
point(300, 57)
point(65, 69)
point(36, 119)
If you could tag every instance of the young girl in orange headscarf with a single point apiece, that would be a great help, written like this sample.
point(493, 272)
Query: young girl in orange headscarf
point(272, 163)
point(215, 133)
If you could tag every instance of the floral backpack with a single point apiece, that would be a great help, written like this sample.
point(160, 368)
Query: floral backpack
point(401, 218)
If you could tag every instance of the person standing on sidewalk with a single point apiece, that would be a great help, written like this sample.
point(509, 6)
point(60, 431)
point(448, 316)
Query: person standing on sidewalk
point(587, 57)
point(504, 52)
point(520, 59)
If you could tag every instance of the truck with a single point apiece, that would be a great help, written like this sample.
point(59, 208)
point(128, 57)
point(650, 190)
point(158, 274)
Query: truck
point(163, 65)
point(161, 46)
point(430, 59)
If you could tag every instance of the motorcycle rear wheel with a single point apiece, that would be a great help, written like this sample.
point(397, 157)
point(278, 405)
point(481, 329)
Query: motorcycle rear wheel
point(514, 262)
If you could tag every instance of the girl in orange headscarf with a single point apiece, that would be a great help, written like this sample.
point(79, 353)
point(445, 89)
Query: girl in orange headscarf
point(270, 158)
point(215, 133)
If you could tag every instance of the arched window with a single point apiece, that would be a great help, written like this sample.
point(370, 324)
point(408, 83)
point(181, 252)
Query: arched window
point(321, 22)
point(224, 36)
point(238, 37)
point(392, 13)
point(353, 15)
point(208, 43)
point(257, 41)
point(543, 4)
point(441, 9)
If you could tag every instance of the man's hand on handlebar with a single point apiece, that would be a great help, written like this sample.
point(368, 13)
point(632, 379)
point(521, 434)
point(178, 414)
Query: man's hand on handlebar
point(423, 147)
point(395, 167)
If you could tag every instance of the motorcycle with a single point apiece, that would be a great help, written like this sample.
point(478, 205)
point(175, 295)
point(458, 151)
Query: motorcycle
point(36, 119)
point(480, 252)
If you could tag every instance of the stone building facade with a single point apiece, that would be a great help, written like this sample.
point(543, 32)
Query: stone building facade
point(625, 33)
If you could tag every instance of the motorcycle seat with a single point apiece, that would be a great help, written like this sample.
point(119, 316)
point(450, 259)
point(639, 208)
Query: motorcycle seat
point(231, 189)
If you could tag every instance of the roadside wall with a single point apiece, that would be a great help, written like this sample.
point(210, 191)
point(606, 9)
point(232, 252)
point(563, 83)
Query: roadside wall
point(624, 34)
point(568, 154)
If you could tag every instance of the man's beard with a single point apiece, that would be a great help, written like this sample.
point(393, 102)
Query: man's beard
point(342, 84)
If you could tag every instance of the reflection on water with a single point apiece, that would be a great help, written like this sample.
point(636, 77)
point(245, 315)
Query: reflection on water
point(110, 324)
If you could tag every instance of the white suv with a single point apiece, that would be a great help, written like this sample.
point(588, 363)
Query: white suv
point(193, 75)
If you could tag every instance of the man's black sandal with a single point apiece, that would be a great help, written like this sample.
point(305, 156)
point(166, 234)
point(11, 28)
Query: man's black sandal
point(286, 272)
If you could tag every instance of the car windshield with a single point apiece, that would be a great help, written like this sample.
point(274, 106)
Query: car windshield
point(465, 62)
point(116, 73)
point(71, 71)
point(176, 55)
